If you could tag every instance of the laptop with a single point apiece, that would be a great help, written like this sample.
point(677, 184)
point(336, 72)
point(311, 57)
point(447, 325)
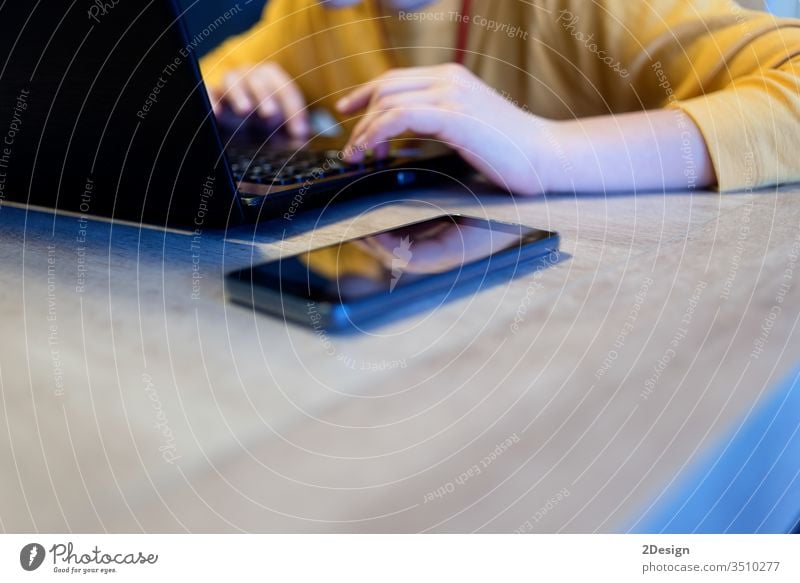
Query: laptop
point(103, 112)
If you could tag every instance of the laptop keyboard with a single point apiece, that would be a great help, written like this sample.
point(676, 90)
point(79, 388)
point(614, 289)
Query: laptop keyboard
point(273, 178)
point(288, 167)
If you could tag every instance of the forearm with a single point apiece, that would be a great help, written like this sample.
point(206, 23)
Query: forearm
point(660, 149)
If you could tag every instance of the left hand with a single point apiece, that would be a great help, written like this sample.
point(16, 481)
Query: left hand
point(451, 104)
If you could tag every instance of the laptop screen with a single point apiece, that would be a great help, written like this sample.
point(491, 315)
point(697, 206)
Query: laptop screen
point(113, 98)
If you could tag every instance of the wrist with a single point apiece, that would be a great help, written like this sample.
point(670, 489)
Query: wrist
point(548, 154)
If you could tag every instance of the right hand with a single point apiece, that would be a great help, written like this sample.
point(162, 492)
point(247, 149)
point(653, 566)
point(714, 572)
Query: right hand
point(266, 90)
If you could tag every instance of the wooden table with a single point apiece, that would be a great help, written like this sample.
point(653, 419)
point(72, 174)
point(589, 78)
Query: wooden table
point(135, 397)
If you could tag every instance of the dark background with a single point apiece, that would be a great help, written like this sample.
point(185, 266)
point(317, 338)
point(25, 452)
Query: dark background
point(201, 13)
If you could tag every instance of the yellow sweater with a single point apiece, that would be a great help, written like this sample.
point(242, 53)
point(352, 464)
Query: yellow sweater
point(735, 72)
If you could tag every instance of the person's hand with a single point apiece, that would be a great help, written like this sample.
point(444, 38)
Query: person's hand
point(449, 103)
point(267, 91)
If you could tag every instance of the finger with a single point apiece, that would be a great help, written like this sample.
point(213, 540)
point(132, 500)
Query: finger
point(236, 94)
point(283, 97)
point(421, 120)
point(215, 98)
point(260, 88)
point(403, 80)
point(400, 104)
point(389, 102)
point(293, 105)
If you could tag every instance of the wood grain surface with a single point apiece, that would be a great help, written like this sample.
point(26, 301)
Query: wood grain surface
point(135, 397)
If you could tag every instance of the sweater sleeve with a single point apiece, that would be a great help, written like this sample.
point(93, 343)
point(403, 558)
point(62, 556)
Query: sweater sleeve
point(260, 43)
point(735, 73)
point(752, 127)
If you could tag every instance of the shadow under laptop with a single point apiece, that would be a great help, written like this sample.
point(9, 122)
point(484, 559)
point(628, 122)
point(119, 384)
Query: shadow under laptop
point(472, 194)
point(100, 240)
point(437, 200)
